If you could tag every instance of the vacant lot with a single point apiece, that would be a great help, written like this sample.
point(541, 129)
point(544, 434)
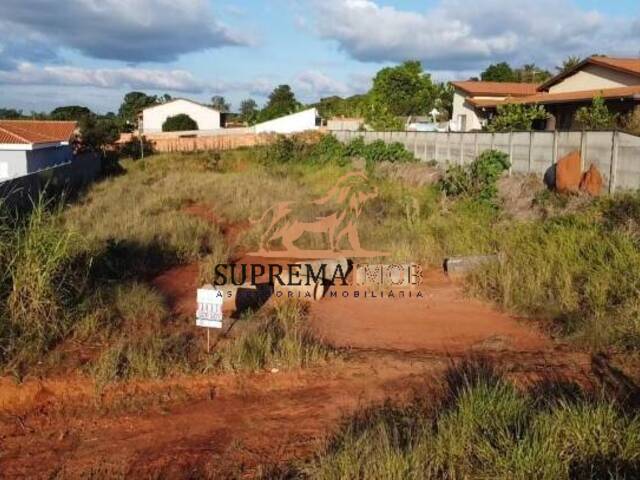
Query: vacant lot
point(496, 374)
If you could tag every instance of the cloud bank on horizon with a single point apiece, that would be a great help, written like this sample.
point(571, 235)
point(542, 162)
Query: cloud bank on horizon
point(200, 48)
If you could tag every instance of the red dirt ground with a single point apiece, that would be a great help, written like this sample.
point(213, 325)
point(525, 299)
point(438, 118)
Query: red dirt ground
point(442, 321)
point(223, 426)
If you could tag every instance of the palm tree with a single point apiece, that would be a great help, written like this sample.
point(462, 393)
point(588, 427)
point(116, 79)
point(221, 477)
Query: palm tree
point(568, 63)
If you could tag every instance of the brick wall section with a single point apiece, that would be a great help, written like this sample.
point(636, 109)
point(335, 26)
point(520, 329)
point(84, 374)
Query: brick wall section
point(217, 142)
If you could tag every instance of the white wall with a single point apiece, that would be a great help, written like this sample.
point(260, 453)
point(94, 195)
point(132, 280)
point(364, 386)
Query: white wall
point(153, 117)
point(296, 122)
point(461, 107)
point(13, 163)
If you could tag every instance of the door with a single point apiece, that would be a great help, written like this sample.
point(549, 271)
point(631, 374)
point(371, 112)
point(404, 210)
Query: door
point(462, 123)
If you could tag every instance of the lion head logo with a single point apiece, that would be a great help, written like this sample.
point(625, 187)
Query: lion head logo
point(333, 217)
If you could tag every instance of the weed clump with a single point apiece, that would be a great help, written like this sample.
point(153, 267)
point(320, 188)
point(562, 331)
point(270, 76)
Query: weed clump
point(478, 179)
point(327, 149)
point(486, 428)
point(41, 281)
point(281, 340)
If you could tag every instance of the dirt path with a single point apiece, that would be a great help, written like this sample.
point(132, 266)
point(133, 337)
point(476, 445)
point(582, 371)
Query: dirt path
point(442, 321)
point(216, 427)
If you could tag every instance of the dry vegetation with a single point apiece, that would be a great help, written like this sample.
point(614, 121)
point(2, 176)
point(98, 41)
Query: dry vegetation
point(80, 274)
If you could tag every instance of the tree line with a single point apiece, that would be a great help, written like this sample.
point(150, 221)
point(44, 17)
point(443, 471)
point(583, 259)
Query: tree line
point(396, 93)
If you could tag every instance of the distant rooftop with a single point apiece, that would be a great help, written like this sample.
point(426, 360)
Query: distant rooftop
point(27, 132)
point(496, 89)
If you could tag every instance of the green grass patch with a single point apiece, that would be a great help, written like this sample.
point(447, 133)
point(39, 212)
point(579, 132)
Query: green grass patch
point(281, 339)
point(485, 428)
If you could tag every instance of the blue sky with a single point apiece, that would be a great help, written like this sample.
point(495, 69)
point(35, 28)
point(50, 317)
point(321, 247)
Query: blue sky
point(91, 52)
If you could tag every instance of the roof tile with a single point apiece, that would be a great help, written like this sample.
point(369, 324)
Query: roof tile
point(564, 97)
point(498, 89)
point(35, 131)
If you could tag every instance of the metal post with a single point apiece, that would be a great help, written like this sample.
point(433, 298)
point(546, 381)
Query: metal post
point(554, 157)
point(461, 148)
point(448, 147)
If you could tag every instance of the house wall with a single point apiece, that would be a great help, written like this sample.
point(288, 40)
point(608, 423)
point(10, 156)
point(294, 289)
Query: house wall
point(461, 107)
point(296, 122)
point(13, 163)
point(154, 117)
point(594, 77)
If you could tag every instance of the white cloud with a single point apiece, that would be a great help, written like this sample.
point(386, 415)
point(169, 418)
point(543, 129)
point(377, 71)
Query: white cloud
point(127, 30)
point(136, 78)
point(459, 35)
point(317, 84)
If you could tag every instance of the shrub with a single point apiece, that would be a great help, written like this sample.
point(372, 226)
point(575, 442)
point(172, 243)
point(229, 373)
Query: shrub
point(516, 116)
point(281, 340)
point(595, 117)
point(287, 149)
point(478, 179)
point(179, 123)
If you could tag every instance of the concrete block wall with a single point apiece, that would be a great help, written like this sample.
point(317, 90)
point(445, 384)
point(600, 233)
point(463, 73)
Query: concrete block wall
point(616, 154)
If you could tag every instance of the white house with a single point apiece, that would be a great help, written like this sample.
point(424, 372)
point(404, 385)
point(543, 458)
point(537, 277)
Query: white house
point(29, 146)
point(466, 116)
point(296, 122)
point(153, 117)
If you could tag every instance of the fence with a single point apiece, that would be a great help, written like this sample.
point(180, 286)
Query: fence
point(70, 177)
point(615, 154)
point(203, 143)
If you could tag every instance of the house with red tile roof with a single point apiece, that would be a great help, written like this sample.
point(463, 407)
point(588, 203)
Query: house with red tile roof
point(616, 80)
point(29, 146)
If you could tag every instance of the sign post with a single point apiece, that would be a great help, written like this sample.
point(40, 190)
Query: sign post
point(209, 312)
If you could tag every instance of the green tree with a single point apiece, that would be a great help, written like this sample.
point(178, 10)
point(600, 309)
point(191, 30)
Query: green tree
point(404, 90)
point(179, 123)
point(499, 72)
point(98, 132)
point(219, 103)
point(282, 101)
point(335, 106)
point(132, 104)
point(531, 73)
point(568, 63)
point(71, 112)
point(595, 117)
point(516, 117)
point(10, 113)
point(444, 100)
point(248, 111)
point(399, 91)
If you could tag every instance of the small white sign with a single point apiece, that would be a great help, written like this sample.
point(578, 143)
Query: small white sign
point(209, 312)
